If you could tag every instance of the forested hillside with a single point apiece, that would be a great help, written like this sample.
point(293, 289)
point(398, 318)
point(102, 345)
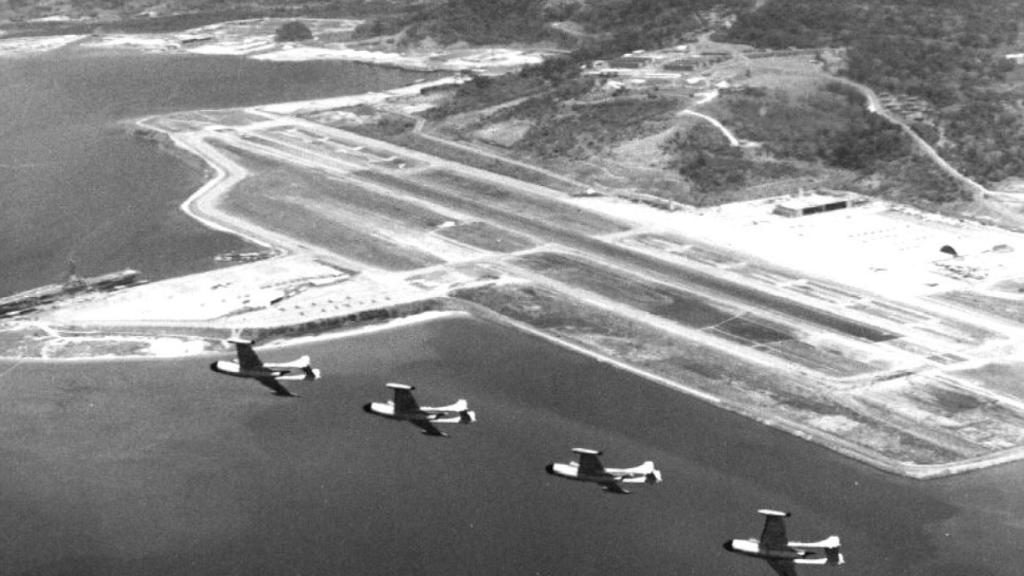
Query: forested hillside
point(948, 52)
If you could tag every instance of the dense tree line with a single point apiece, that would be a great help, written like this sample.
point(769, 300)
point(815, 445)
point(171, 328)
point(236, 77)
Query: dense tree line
point(293, 31)
point(715, 168)
point(945, 51)
point(987, 138)
point(473, 21)
point(564, 130)
point(830, 125)
point(704, 156)
point(632, 24)
point(555, 78)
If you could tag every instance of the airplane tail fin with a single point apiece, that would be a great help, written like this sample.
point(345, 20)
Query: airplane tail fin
point(460, 405)
point(830, 542)
point(300, 363)
point(311, 373)
point(467, 417)
point(833, 557)
point(651, 474)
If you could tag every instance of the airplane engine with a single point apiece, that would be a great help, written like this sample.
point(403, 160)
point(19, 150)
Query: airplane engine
point(565, 470)
point(224, 367)
point(379, 408)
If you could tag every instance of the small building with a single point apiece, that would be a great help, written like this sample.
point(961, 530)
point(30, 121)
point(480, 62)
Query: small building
point(814, 203)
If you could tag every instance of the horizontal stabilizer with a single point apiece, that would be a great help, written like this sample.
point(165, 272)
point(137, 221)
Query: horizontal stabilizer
point(833, 558)
point(587, 451)
point(307, 374)
point(397, 386)
point(459, 406)
point(769, 512)
point(467, 417)
point(830, 542)
point(301, 363)
point(241, 341)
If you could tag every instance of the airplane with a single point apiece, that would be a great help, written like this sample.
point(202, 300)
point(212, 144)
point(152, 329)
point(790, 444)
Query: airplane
point(270, 375)
point(405, 407)
point(590, 469)
point(782, 554)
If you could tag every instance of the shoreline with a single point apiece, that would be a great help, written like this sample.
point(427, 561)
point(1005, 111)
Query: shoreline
point(812, 435)
point(255, 38)
point(272, 343)
point(204, 206)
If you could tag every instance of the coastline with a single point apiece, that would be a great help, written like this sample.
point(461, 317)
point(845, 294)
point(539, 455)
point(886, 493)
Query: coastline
point(815, 436)
point(204, 205)
point(274, 343)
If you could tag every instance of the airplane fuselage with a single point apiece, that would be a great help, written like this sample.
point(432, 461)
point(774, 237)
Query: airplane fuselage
point(427, 414)
point(572, 471)
point(755, 550)
point(825, 552)
point(233, 369)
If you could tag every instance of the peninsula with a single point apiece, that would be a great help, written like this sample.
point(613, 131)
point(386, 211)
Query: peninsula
point(837, 316)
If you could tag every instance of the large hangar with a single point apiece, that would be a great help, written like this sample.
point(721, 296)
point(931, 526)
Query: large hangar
point(814, 203)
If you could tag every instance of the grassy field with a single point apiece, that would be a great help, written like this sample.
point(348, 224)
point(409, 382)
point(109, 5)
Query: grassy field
point(533, 206)
point(1003, 308)
point(340, 216)
point(487, 237)
point(750, 389)
point(460, 193)
point(693, 311)
point(476, 160)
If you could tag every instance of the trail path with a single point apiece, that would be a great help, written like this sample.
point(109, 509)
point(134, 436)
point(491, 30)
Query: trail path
point(733, 140)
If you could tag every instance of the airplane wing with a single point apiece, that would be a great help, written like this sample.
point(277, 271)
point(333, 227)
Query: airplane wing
point(428, 428)
point(276, 386)
point(404, 402)
point(247, 358)
point(590, 464)
point(783, 567)
point(614, 488)
point(773, 536)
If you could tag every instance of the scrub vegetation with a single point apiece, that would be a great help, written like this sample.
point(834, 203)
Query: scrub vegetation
point(951, 54)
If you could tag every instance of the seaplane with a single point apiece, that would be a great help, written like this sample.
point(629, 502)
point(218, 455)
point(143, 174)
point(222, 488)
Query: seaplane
point(782, 554)
point(590, 469)
point(249, 365)
point(405, 407)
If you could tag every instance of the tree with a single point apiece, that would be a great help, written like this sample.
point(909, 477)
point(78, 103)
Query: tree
point(293, 31)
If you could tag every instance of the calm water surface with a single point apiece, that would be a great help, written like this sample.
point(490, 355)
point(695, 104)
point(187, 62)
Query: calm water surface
point(74, 184)
point(162, 467)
